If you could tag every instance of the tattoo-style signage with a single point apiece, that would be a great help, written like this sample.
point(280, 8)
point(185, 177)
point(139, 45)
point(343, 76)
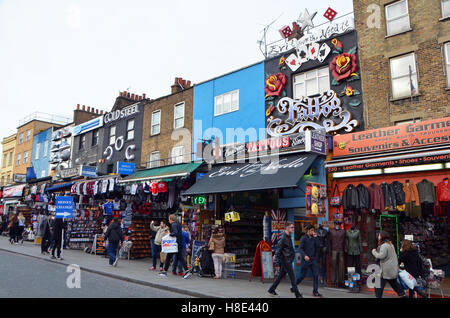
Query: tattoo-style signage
point(405, 136)
point(120, 114)
point(306, 112)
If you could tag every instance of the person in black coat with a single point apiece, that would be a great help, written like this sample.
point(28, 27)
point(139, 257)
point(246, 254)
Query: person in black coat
point(409, 256)
point(59, 226)
point(175, 231)
point(114, 235)
point(284, 256)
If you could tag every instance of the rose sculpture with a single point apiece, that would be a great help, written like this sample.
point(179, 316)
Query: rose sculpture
point(275, 84)
point(343, 66)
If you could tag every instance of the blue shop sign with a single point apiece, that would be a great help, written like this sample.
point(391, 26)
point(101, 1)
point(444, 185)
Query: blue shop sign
point(88, 171)
point(125, 168)
point(64, 207)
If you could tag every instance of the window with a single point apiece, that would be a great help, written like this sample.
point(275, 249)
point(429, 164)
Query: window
point(112, 135)
point(28, 135)
point(130, 129)
point(445, 6)
point(154, 160)
point(407, 121)
point(397, 17)
point(3, 181)
point(19, 156)
point(20, 138)
point(5, 158)
point(404, 85)
point(178, 117)
point(226, 103)
point(156, 122)
point(25, 157)
point(82, 142)
point(110, 169)
point(8, 179)
point(177, 155)
point(43, 173)
point(95, 137)
point(36, 155)
point(45, 149)
point(312, 83)
point(447, 61)
point(10, 158)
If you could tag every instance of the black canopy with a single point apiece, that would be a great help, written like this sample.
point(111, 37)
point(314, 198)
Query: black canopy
point(267, 173)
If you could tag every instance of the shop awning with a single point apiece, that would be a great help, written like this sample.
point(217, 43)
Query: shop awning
point(59, 186)
point(284, 172)
point(180, 170)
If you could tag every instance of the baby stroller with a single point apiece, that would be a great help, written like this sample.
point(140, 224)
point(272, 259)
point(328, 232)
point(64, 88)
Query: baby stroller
point(203, 264)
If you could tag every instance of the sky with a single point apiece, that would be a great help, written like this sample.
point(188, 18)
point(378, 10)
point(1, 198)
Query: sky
point(55, 54)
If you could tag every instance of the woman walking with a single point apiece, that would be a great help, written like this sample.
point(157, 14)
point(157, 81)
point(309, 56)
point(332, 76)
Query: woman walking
point(217, 247)
point(20, 227)
point(12, 226)
point(409, 256)
point(156, 243)
point(387, 257)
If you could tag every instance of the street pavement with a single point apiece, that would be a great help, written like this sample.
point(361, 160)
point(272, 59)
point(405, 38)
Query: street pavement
point(134, 271)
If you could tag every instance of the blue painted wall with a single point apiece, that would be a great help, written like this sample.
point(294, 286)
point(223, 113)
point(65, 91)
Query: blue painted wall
point(41, 164)
point(251, 113)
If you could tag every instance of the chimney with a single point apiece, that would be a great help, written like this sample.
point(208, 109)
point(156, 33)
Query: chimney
point(132, 96)
point(176, 86)
point(96, 111)
point(143, 96)
point(78, 106)
point(188, 84)
point(84, 108)
point(89, 109)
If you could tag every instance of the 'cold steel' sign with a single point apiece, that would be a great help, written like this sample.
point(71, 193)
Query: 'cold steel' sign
point(414, 135)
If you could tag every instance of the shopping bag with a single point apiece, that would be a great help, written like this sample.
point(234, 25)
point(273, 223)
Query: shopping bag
point(169, 244)
point(407, 279)
point(335, 200)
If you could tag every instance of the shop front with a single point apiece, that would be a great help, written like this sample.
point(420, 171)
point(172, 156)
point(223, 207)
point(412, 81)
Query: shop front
point(395, 179)
point(253, 194)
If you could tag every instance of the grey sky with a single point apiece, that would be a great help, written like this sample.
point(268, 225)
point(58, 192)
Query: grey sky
point(55, 54)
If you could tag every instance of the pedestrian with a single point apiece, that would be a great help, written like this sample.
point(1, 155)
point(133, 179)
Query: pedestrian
point(217, 248)
point(114, 236)
point(156, 243)
point(185, 241)
point(59, 226)
point(51, 226)
point(44, 230)
point(385, 253)
point(309, 245)
point(284, 256)
point(175, 231)
point(20, 227)
point(13, 221)
point(409, 256)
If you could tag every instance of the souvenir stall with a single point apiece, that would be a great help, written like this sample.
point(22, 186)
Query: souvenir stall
point(36, 200)
point(154, 194)
point(400, 186)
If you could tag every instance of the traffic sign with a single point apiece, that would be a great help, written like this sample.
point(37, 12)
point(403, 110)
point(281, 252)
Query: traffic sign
point(64, 207)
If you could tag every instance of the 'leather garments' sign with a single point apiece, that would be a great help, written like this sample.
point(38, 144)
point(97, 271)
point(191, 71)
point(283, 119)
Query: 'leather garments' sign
point(415, 135)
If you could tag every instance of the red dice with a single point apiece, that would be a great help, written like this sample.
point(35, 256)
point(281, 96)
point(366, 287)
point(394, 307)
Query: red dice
point(330, 14)
point(285, 32)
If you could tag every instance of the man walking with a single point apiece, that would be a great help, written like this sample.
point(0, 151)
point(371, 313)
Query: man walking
point(309, 244)
point(114, 235)
point(44, 229)
point(175, 231)
point(57, 238)
point(284, 256)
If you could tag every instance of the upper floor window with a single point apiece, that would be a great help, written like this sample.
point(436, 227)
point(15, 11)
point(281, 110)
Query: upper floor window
point(112, 135)
point(445, 6)
point(154, 160)
point(83, 142)
point(45, 149)
point(5, 158)
point(312, 83)
point(10, 158)
point(397, 17)
point(177, 155)
point(95, 137)
point(404, 76)
point(19, 156)
point(407, 121)
point(25, 157)
point(20, 138)
point(178, 116)
point(156, 122)
point(38, 148)
point(130, 129)
point(27, 137)
point(226, 103)
point(447, 61)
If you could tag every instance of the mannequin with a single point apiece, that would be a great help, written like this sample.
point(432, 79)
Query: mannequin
point(443, 197)
point(337, 243)
point(411, 200)
point(353, 247)
point(322, 234)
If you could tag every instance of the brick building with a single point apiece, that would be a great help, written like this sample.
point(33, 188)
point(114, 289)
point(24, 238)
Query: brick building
point(167, 129)
point(404, 42)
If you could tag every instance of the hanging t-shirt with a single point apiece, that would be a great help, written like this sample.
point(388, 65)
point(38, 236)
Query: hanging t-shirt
point(162, 187)
point(116, 205)
point(108, 208)
point(111, 185)
point(95, 187)
point(154, 186)
point(134, 189)
point(104, 186)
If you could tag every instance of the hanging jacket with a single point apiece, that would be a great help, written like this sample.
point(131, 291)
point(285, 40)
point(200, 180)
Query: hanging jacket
point(376, 197)
point(411, 194)
point(389, 195)
point(337, 240)
point(350, 200)
point(353, 242)
point(398, 192)
point(426, 191)
point(443, 191)
point(322, 234)
point(363, 196)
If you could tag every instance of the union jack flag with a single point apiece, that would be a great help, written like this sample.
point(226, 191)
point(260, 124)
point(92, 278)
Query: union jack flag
point(278, 223)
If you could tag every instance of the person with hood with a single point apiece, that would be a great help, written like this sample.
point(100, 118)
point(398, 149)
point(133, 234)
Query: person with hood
point(217, 247)
point(409, 256)
point(114, 236)
point(156, 243)
point(284, 256)
point(388, 260)
point(13, 227)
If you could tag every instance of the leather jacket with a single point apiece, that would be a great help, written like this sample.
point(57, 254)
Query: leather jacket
point(285, 250)
point(376, 197)
point(363, 196)
point(350, 200)
point(322, 234)
point(398, 192)
point(389, 195)
point(337, 240)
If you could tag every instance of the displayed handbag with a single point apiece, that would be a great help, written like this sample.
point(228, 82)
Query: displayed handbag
point(336, 200)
